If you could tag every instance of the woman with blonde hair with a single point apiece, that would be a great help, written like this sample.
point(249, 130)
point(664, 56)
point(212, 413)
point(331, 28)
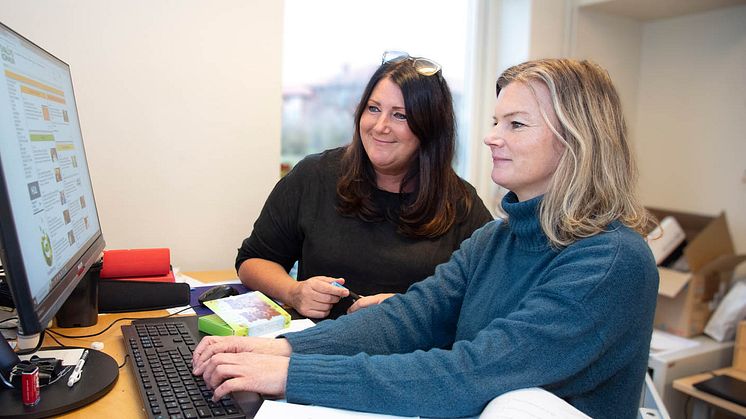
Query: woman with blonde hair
point(560, 295)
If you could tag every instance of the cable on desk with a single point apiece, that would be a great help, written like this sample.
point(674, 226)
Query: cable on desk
point(8, 320)
point(113, 323)
point(62, 345)
point(126, 356)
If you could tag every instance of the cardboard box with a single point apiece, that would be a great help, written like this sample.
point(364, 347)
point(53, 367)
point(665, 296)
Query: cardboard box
point(739, 351)
point(685, 299)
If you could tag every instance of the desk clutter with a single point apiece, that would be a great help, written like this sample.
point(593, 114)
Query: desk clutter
point(125, 280)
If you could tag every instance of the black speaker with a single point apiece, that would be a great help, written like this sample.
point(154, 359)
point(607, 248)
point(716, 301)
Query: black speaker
point(117, 296)
point(81, 307)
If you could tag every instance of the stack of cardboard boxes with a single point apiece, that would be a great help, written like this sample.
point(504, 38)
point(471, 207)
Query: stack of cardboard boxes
point(687, 299)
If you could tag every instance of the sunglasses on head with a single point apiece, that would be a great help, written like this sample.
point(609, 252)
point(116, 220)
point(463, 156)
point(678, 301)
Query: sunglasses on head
point(422, 65)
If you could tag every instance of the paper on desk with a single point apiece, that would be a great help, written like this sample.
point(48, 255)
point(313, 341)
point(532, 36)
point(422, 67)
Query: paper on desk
point(663, 342)
point(68, 356)
point(273, 409)
point(295, 326)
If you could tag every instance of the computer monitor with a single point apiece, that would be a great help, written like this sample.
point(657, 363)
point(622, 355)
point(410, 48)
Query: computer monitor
point(50, 233)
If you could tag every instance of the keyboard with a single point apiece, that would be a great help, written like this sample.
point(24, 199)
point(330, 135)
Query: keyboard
point(160, 351)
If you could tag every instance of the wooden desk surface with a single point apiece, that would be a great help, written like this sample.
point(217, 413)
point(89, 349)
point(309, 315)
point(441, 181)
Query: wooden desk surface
point(686, 386)
point(123, 401)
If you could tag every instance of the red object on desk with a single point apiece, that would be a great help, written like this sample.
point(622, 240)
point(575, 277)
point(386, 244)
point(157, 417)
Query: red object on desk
point(153, 265)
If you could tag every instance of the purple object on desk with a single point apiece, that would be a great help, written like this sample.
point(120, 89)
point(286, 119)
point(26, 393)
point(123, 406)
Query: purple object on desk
point(196, 292)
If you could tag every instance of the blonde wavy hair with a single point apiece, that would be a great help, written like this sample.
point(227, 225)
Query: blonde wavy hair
point(595, 181)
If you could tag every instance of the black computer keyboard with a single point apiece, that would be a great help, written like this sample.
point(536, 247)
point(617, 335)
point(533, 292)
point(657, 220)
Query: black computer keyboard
point(161, 355)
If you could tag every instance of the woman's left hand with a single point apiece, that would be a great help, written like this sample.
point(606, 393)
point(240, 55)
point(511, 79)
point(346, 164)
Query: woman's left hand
point(246, 371)
point(368, 301)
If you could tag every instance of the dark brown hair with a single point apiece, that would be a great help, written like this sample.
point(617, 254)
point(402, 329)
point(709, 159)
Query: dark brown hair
point(440, 197)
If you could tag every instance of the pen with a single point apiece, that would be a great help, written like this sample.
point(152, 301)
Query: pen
point(352, 295)
point(75, 376)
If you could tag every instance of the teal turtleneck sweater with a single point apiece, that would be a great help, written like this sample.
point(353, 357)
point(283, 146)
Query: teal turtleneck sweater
point(506, 312)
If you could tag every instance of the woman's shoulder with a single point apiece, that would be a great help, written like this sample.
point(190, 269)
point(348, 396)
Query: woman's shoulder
point(327, 161)
point(617, 247)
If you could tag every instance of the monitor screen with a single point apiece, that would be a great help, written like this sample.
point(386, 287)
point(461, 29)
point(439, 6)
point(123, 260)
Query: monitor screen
point(49, 227)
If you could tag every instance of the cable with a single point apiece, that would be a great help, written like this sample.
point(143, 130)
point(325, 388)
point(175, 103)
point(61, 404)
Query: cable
point(38, 345)
point(126, 356)
point(113, 323)
point(9, 319)
point(62, 345)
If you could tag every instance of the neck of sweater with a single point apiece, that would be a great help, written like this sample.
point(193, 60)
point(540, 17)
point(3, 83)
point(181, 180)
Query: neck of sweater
point(523, 221)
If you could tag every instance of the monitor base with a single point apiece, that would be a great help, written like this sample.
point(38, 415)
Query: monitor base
point(100, 373)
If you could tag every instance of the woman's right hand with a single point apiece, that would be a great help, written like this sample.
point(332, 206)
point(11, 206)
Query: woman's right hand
point(315, 296)
point(211, 345)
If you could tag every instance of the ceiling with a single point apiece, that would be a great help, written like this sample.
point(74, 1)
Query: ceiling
point(655, 9)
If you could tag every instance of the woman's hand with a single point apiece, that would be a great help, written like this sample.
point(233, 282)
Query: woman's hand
point(225, 373)
point(315, 296)
point(210, 346)
point(368, 301)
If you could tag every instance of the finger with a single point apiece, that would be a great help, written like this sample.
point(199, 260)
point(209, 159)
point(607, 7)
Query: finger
point(326, 287)
point(316, 314)
point(211, 373)
point(202, 353)
point(354, 307)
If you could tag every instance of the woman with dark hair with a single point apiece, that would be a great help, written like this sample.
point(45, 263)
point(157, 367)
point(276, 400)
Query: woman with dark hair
point(377, 215)
point(560, 295)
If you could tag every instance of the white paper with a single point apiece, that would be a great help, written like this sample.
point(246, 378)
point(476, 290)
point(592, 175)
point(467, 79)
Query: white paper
point(68, 356)
point(295, 326)
point(277, 409)
point(663, 342)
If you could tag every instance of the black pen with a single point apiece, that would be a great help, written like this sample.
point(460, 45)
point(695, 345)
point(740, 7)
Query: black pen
point(352, 295)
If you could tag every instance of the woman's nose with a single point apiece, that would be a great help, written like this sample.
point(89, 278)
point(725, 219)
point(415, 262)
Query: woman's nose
point(382, 124)
point(493, 138)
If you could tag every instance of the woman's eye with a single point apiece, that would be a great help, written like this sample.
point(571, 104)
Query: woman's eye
point(494, 122)
point(516, 124)
point(373, 108)
point(400, 116)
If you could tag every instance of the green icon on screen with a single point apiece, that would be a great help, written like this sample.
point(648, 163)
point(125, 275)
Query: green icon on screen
point(46, 248)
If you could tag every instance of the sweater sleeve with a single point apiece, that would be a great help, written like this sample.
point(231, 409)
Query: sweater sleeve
point(555, 335)
point(277, 235)
point(424, 317)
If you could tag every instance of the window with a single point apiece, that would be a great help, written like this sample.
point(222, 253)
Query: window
point(332, 47)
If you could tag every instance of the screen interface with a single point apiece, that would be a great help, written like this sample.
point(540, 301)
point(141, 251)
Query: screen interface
point(43, 162)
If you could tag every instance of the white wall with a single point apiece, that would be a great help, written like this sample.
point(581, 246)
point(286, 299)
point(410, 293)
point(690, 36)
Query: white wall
point(614, 42)
point(691, 130)
point(180, 109)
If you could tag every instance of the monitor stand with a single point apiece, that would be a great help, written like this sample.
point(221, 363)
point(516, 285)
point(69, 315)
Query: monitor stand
point(100, 373)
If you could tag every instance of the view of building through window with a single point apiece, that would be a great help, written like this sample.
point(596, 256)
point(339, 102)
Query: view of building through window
point(332, 47)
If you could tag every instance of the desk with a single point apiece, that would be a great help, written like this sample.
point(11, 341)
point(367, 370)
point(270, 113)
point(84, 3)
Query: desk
point(686, 386)
point(124, 399)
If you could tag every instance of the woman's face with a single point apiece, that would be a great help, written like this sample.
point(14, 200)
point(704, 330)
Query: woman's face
point(525, 152)
point(387, 139)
